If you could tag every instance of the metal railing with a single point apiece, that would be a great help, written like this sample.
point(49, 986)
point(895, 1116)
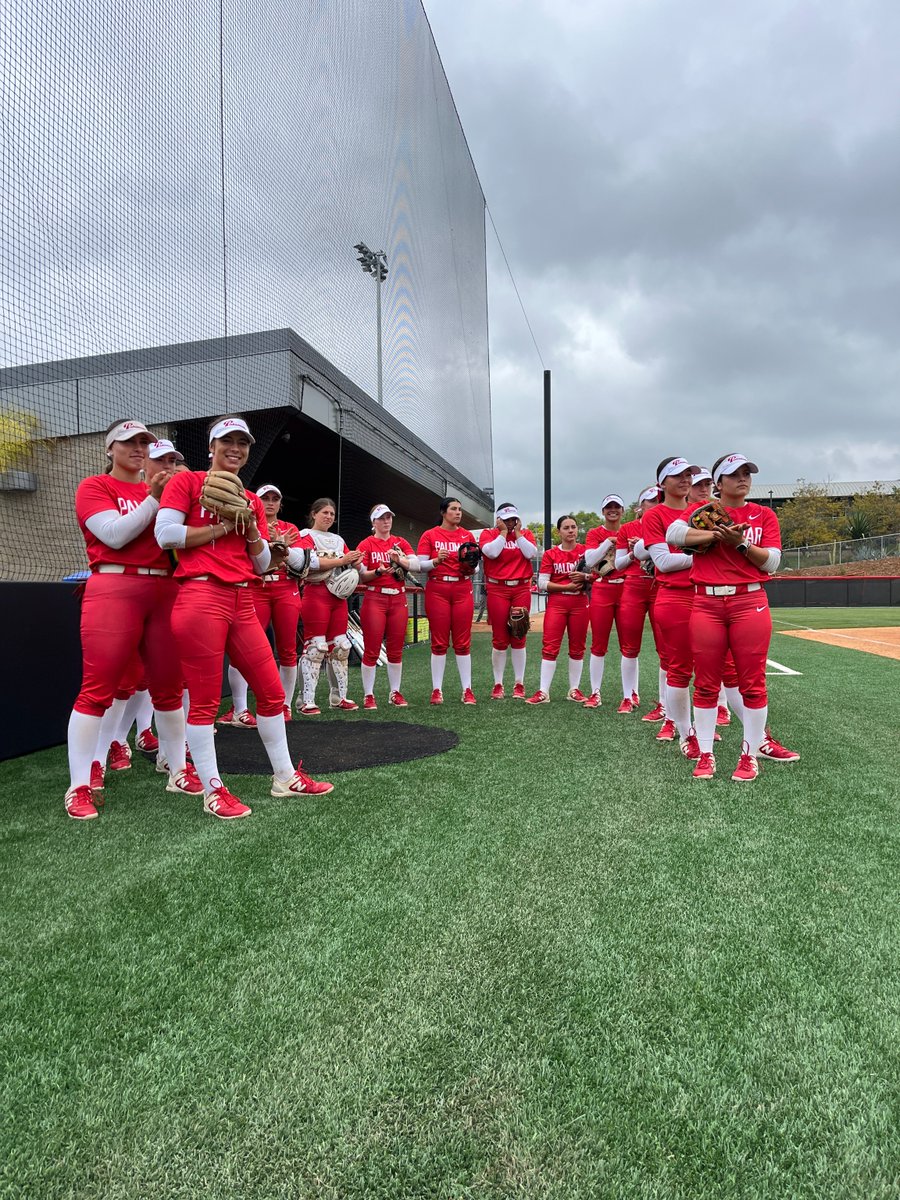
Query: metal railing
point(834, 554)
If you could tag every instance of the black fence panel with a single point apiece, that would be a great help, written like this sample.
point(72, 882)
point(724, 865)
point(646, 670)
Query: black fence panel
point(881, 591)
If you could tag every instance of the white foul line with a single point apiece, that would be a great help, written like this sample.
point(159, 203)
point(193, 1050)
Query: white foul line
point(780, 669)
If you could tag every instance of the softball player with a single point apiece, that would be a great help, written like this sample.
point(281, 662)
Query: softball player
point(214, 615)
point(325, 614)
point(449, 601)
point(567, 611)
point(701, 493)
point(276, 598)
point(607, 597)
point(731, 613)
point(384, 615)
point(509, 552)
point(127, 605)
point(638, 593)
point(672, 608)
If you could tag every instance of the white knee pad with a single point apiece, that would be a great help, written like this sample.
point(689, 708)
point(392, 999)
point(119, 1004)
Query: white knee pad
point(316, 650)
point(342, 648)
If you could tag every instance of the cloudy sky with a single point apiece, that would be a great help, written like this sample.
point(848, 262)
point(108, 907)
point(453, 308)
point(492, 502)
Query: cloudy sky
point(701, 205)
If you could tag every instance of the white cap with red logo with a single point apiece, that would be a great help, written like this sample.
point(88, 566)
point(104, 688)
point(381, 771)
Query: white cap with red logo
point(381, 510)
point(231, 425)
point(729, 465)
point(268, 489)
point(612, 498)
point(126, 430)
point(702, 474)
point(674, 466)
point(163, 447)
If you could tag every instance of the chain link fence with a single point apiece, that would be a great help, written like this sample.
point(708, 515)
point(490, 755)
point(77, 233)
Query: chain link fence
point(835, 554)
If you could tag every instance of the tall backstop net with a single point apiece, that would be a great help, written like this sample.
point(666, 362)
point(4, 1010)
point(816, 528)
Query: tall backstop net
point(180, 180)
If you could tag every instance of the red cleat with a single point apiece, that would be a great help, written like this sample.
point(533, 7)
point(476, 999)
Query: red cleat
point(518, 691)
point(369, 704)
point(723, 716)
point(706, 767)
point(344, 705)
point(398, 700)
point(80, 804)
point(437, 696)
point(539, 697)
point(97, 776)
point(185, 783)
point(658, 713)
point(147, 741)
point(498, 693)
point(300, 784)
point(468, 697)
point(593, 701)
point(626, 707)
point(690, 747)
point(577, 695)
point(119, 757)
point(666, 732)
point(747, 769)
point(222, 804)
point(773, 751)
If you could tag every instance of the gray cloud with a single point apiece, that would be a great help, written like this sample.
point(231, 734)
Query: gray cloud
point(699, 202)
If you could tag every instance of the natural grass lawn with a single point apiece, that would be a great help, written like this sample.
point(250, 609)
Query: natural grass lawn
point(545, 964)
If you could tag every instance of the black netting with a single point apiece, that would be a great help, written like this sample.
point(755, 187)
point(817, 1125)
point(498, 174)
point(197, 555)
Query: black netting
point(183, 186)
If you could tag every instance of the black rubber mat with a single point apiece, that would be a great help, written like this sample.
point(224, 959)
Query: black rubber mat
point(328, 746)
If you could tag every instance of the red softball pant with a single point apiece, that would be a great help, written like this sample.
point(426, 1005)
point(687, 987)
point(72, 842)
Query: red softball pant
point(672, 612)
point(741, 624)
point(450, 608)
point(211, 620)
point(324, 615)
point(122, 616)
point(630, 615)
point(565, 614)
point(606, 607)
point(657, 638)
point(383, 619)
point(500, 600)
point(278, 604)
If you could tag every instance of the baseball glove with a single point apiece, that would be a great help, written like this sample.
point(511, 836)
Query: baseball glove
point(519, 622)
point(299, 572)
point(711, 516)
point(469, 557)
point(607, 563)
point(223, 494)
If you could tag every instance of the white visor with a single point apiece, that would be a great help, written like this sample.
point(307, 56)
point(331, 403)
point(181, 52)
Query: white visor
point(674, 467)
point(612, 499)
point(729, 465)
point(380, 510)
point(230, 425)
point(700, 476)
point(509, 512)
point(126, 430)
point(651, 493)
point(266, 489)
point(163, 447)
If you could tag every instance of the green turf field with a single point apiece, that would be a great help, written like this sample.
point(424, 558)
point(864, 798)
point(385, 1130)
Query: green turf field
point(545, 964)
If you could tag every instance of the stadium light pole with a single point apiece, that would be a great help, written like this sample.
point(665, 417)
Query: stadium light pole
point(374, 263)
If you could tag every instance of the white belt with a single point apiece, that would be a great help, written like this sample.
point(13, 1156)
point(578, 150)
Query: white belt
point(206, 578)
point(731, 590)
point(612, 580)
point(272, 578)
point(121, 569)
point(446, 578)
point(387, 591)
point(511, 582)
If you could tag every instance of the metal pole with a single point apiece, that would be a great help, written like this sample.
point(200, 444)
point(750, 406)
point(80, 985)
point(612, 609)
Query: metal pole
point(548, 520)
point(378, 321)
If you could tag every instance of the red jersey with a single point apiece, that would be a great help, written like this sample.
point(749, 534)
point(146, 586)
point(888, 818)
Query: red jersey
point(725, 565)
point(631, 529)
point(596, 537)
point(559, 563)
point(102, 493)
point(433, 540)
point(511, 563)
point(654, 524)
point(226, 559)
point(377, 553)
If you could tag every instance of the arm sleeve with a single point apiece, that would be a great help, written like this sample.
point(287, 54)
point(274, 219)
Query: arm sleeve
point(592, 557)
point(170, 530)
point(415, 563)
point(664, 560)
point(773, 562)
point(623, 559)
point(677, 532)
point(543, 580)
point(296, 563)
point(527, 548)
point(262, 560)
point(640, 551)
point(116, 531)
point(425, 564)
point(494, 548)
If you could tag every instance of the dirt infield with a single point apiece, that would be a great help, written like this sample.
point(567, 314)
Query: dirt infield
point(884, 641)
